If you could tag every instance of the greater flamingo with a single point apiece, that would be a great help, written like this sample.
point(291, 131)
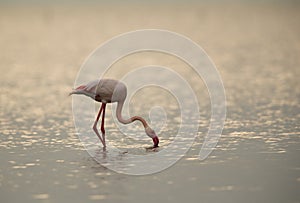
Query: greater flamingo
point(108, 91)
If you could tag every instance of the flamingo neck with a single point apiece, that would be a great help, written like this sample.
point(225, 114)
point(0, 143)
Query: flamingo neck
point(129, 120)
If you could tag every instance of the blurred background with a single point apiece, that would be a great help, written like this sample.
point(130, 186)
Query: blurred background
point(255, 46)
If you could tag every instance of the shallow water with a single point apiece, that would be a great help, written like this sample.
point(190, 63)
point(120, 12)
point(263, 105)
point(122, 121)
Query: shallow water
point(255, 48)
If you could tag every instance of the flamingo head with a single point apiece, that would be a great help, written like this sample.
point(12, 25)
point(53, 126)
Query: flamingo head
point(151, 133)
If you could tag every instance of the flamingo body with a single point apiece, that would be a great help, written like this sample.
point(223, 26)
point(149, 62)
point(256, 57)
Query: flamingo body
point(109, 91)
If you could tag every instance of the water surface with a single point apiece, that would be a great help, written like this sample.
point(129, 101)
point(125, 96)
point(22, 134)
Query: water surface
point(256, 50)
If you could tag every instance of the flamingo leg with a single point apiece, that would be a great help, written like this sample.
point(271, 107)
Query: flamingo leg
point(102, 123)
point(95, 125)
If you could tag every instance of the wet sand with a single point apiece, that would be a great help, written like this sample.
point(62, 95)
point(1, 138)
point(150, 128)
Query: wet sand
point(256, 49)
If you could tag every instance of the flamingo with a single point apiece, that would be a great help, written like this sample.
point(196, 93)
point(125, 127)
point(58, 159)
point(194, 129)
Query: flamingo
point(109, 91)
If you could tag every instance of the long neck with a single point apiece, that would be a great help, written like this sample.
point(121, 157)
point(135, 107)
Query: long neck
point(129, 120)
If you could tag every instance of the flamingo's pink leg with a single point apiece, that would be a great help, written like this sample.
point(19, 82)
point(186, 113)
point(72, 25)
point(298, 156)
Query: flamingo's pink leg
point(102, 124)
point(95, 125)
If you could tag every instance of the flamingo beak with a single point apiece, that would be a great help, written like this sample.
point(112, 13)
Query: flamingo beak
point(155, 141)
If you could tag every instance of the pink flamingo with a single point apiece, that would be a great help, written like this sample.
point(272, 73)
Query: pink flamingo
point(108, 91)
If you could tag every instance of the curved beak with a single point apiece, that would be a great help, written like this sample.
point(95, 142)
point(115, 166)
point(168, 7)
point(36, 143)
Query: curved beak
point(155, 141)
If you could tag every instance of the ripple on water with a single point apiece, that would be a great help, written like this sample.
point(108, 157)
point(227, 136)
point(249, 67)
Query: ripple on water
point(97, 197)
point(40, 196)
point(222, 188)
